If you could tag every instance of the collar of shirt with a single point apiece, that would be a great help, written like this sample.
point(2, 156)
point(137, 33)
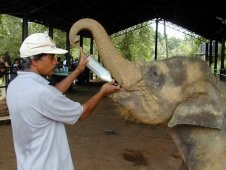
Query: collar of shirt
point(37, 77)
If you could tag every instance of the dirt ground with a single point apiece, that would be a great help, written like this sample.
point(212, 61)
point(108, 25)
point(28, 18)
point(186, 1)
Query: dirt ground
point(105, 141)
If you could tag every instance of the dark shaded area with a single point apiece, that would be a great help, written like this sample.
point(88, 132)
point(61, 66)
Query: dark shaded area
point(83, 78)
point(134, 156)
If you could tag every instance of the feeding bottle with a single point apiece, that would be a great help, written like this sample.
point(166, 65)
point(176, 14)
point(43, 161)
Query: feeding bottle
point(98, 69)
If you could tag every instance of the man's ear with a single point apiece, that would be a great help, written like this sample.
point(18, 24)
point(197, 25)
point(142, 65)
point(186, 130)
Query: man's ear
point(201, 109)
point(34, 62)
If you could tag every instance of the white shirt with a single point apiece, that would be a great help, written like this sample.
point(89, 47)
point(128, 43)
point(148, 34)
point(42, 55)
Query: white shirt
point(38, 112)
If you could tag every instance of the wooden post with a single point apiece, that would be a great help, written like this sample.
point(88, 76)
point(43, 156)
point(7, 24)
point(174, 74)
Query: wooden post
point(24, 28)
point(156, 38)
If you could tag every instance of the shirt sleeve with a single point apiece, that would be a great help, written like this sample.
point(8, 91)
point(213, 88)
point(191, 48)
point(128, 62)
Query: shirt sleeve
point(57, 106)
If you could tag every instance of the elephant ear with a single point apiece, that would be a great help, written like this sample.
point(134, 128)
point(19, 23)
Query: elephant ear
point(201, 109)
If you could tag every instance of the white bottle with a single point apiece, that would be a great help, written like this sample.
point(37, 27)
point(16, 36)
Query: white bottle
point(98, 69)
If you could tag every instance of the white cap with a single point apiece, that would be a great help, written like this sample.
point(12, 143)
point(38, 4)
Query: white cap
point(39, 43)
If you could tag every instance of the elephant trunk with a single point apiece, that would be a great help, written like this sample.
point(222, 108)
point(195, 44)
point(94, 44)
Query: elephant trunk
point(124, 71)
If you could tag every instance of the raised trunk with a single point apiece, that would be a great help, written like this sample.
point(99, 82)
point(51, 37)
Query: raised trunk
point(124, 71)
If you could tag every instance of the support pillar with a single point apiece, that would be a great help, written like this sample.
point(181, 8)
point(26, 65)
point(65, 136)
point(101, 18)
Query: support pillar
point(215, 56)
point(207, 52)
point(24, 28)
point(51, 32)
point(210, 54)
point(222, 70)
point(156, 38)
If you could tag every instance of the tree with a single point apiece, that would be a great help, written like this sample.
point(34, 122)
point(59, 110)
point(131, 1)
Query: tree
point(137, 43)
point(11, 34)
point(11, 37)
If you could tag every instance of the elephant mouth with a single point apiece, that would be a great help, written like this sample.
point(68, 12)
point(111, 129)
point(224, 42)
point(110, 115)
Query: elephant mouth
point(120, 96)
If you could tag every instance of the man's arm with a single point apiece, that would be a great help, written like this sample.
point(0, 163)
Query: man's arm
point(91, 104)
point(66, 82)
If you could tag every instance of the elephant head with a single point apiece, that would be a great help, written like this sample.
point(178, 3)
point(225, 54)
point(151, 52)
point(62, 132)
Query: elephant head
point(180, 91)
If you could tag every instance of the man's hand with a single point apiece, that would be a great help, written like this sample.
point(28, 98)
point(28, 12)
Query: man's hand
point(82, 61)
point(109, 88)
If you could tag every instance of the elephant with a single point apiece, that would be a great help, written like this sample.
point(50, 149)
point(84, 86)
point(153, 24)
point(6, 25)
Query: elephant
point(180, 92)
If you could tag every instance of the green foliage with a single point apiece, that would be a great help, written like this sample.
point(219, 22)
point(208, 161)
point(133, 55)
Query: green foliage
point(139, 44)
point(36, 28)
point(75, 51)
point(10, 35)
point(136, 44)
point(59, 38)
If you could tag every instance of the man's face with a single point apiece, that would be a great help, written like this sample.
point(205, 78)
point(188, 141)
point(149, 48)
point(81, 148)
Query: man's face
point(46, 64)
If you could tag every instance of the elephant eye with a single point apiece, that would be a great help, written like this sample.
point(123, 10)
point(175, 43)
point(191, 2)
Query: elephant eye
point(156, 78)
point(155, 73)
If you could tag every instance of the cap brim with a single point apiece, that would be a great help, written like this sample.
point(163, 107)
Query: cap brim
point(56, 51)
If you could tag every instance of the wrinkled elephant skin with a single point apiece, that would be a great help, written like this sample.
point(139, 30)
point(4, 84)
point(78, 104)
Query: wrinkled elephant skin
point(179, 91)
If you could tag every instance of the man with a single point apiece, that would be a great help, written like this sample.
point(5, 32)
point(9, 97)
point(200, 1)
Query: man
point(38, 110)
